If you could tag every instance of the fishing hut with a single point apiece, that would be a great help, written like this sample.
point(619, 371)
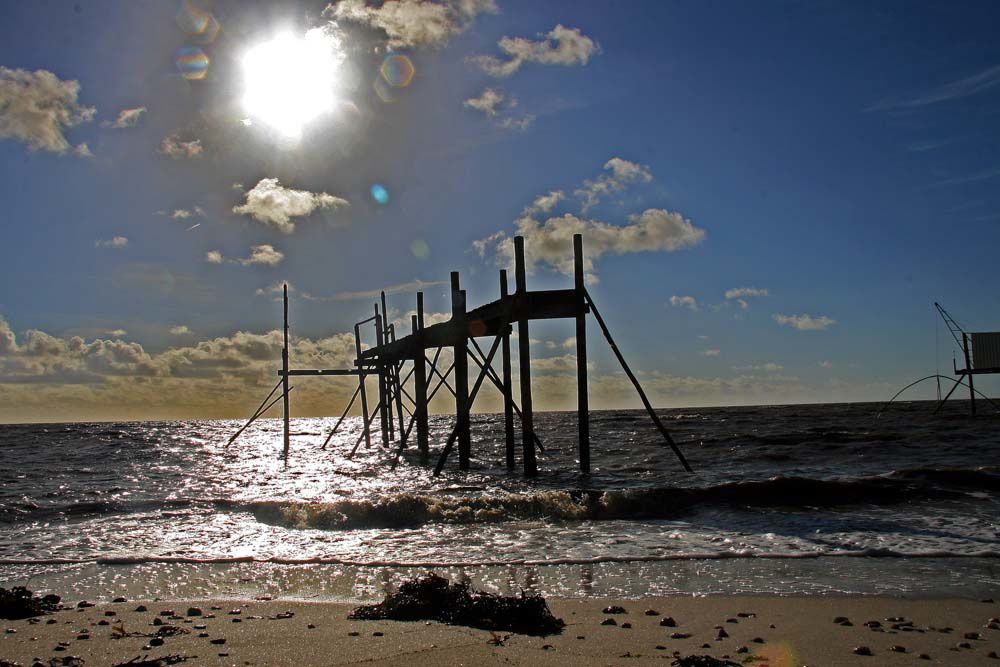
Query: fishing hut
point(408, 379)
point(981, 351)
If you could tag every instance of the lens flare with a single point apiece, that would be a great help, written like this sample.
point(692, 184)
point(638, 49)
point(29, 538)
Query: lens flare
point(197, 22)
point(380, 194)
point(397, 70)
point(192, 63)
point(420, 249)
point(289, 81)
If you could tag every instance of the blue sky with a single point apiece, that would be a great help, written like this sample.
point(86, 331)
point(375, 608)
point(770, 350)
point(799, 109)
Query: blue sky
point(841, 157)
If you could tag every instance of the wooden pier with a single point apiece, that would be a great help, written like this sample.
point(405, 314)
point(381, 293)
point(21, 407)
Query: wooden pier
point(404, 370)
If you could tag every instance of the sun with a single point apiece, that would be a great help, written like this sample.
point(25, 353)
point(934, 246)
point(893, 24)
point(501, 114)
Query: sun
point(289, 80)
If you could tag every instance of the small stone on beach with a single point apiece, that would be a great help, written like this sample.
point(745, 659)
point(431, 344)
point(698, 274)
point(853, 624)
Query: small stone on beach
point(141, 607)
point(609, 621)
point(862, 650)
point(615, 609)
point(651, 612)
point(668, 622)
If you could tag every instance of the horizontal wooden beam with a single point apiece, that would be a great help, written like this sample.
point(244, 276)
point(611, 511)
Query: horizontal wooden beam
point(321, 371)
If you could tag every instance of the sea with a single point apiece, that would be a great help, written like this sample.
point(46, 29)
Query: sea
point(787, 500)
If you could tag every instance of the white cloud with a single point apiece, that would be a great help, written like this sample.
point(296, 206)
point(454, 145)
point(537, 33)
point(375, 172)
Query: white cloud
point(564, 364)
point(551, 242)
point(412, 286)
point(116, 242)
point(273, 204)
point(805, 322)
point(516, 122)
point(126, 118)
point(487, 101)
point(181, 214)
point(214, 257)
point(711, 352)
point(117, 333)
point(180, 330)
point(623, 173)
point(980, 82)
point(263, 254)
point(742, 292)
point(563, 46)
point(769, 367)
point(82, 149)
point(826, 364)
point(684, 301)
point(174, 147)
point(413, 23)
point(545, 203)
point(38, 107)
point(496, 105)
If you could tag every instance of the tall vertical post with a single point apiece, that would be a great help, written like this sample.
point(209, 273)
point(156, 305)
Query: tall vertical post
point(583, 404)
point(284, 371)
point(508, 403)
point(362, 388)
point(420, 379)
point(968, 367)
point(397, 390)
point(461, 352)
point(524, 359)
point(383, 397)
point(387, 371)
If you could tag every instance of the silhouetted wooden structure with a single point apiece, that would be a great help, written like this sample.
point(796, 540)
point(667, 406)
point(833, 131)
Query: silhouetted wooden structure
point(391, 355)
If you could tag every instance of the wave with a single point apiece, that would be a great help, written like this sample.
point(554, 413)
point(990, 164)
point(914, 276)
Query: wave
point(356, 562)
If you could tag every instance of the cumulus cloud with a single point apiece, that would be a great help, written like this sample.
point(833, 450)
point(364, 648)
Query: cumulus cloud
point(173, 146)
point(743, 292)
point(487, 102)
point(545, 203)
point(82, 150)
point(181, 214)
point(497, 105)
point(116, 242)
point(622, 174)
point(563, 46)
point(273, 204)
point(551, 243)
point(263, 254)
point(180, 330)
point(413, 23)
point(805, 322)
point(684, 301)
point(38, 107)
point(214, 257)
point(126, 118)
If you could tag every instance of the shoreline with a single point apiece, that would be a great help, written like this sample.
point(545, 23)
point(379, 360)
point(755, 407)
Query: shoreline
point(793, 631)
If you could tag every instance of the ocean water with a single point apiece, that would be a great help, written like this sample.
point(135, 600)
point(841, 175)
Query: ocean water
point(804, 499)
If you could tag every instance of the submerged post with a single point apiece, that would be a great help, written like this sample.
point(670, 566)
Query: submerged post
point(968, 367)
point(583, 403)
point(284, 371)
point(524, 359)
point(508, 401)
point(361, 387)
point(461, 373)
point(383, 402)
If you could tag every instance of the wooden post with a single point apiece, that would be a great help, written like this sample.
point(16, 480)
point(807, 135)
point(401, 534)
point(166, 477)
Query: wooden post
point(397, 385)
point(284, 372)
point(582, 400)
point(968, 367)
point(420, 389)
point(461, 354)
point(387, 372)
point(361, 385)
point(508, 401)
point(382, 393)
point(524, 359)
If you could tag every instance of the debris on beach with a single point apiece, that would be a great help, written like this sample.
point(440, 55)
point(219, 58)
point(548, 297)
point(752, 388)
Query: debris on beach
point(703, 661)
point(434, 598)
point(19, 602)
point(146, 661)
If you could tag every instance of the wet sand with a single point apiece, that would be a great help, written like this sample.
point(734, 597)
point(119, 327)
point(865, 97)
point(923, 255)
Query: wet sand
point(780, 632)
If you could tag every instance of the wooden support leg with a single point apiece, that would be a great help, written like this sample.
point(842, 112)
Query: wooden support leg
point(383, 394)
point(420, 392)
point(284, 376)
point(461, 375)
point(583, 403)
point(508, 401)
point(524, 359)
point(968, 367)
point(366, 425)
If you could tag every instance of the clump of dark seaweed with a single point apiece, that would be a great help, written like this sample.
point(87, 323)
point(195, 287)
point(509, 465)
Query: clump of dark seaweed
point(434, 598)
point(702, 661)
point(19, 602)
point(146, 661)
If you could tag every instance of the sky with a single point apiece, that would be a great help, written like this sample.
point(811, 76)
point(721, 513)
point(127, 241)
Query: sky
point(772, 195)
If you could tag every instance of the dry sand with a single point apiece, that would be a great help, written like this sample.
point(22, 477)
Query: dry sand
point(778, 632)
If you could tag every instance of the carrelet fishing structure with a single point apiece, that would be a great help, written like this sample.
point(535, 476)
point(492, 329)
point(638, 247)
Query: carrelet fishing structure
point(393, 356)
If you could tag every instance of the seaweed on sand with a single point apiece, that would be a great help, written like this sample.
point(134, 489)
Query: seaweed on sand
point(434, 598)
point(19, 602)
point(703, 661)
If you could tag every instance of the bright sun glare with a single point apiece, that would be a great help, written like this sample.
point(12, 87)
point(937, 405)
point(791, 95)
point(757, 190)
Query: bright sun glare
point(290, 80)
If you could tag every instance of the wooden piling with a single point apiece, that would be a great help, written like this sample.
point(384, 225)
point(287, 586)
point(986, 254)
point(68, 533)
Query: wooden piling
point(524, 360)
point(508, 401)
point(968, 367)
point(382, 389)
point(461, 353)
point(420, 390)
point(366, 425)
point(583, 402)
point(284, 374)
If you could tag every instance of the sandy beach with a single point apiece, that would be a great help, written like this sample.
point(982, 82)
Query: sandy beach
point(780, 632)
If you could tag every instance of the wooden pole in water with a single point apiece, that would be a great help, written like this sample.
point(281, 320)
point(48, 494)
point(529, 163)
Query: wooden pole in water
point(524, 359)
point(583, 403)
point(968, 367)
point(461, 353)
point(284, 372)
point(420, 380)
point(361, 385)
point(382, 393)
point(387, 372)
point(508, 401)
